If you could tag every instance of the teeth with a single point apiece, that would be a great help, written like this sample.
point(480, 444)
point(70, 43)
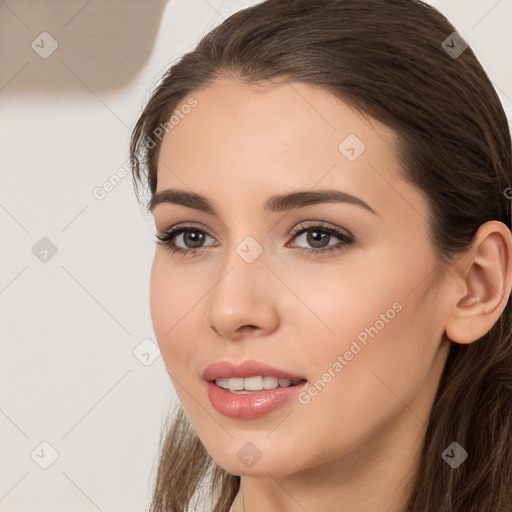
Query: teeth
point(236, 384)
point(253, 383)
point(256, 383)
point(270, 382)
point(223, 383)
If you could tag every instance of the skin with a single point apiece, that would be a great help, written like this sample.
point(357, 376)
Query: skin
point(355, 444)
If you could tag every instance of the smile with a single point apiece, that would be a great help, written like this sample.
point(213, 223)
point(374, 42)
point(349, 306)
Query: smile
point(251, 384)
point(249, 390)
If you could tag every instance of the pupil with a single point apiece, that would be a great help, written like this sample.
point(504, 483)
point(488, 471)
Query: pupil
point(198, 238)
point(314, 237)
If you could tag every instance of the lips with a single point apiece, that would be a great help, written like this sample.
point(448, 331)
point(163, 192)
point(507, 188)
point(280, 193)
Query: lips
point(227, 370)
point(239, 402)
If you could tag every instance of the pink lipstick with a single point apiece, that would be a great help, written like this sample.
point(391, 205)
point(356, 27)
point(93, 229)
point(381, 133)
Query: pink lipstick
point(249, 390)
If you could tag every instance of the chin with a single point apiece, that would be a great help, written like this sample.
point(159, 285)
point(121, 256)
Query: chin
point(250, 461)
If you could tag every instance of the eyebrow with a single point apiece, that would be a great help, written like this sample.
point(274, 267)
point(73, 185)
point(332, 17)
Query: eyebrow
point(276, 203)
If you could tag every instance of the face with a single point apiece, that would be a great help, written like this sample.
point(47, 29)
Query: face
point(339, 293)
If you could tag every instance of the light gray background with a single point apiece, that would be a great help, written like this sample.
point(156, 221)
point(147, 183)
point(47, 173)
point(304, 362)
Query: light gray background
point(70, 325)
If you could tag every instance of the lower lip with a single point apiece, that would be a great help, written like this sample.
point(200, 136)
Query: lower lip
point(250, 405)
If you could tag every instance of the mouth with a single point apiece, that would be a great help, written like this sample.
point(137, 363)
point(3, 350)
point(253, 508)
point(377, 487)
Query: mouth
point(254, 384)
point(249, 390)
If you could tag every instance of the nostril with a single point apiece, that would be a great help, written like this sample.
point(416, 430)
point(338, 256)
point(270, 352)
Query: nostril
point(214, 330)
point(247, 328)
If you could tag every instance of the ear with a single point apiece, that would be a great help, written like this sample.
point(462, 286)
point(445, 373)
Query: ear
point(484, 283)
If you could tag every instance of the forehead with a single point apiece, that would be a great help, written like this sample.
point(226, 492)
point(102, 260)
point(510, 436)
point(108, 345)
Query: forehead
point(280, 115)
point(243, 139)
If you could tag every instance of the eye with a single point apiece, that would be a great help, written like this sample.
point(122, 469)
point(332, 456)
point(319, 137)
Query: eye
point(319, 235)
point(190, 236)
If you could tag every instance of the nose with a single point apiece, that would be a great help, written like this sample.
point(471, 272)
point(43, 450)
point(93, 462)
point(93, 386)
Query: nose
point(244, 302)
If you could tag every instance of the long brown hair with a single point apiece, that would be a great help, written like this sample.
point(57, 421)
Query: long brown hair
point(400, 62)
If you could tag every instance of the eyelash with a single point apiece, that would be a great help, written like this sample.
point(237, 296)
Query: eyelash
point(166, 239)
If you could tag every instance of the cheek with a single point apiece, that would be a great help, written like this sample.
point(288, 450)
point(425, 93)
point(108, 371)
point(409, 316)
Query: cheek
point(377, 329)
point(173, 305)
point(385, 345)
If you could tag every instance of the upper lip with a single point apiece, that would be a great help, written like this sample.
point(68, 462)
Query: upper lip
point(226, 369)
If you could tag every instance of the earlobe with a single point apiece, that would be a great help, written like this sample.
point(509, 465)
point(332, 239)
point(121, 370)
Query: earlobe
point(486, 279)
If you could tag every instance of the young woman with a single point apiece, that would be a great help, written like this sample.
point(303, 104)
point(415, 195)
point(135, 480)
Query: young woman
point(330, 182)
